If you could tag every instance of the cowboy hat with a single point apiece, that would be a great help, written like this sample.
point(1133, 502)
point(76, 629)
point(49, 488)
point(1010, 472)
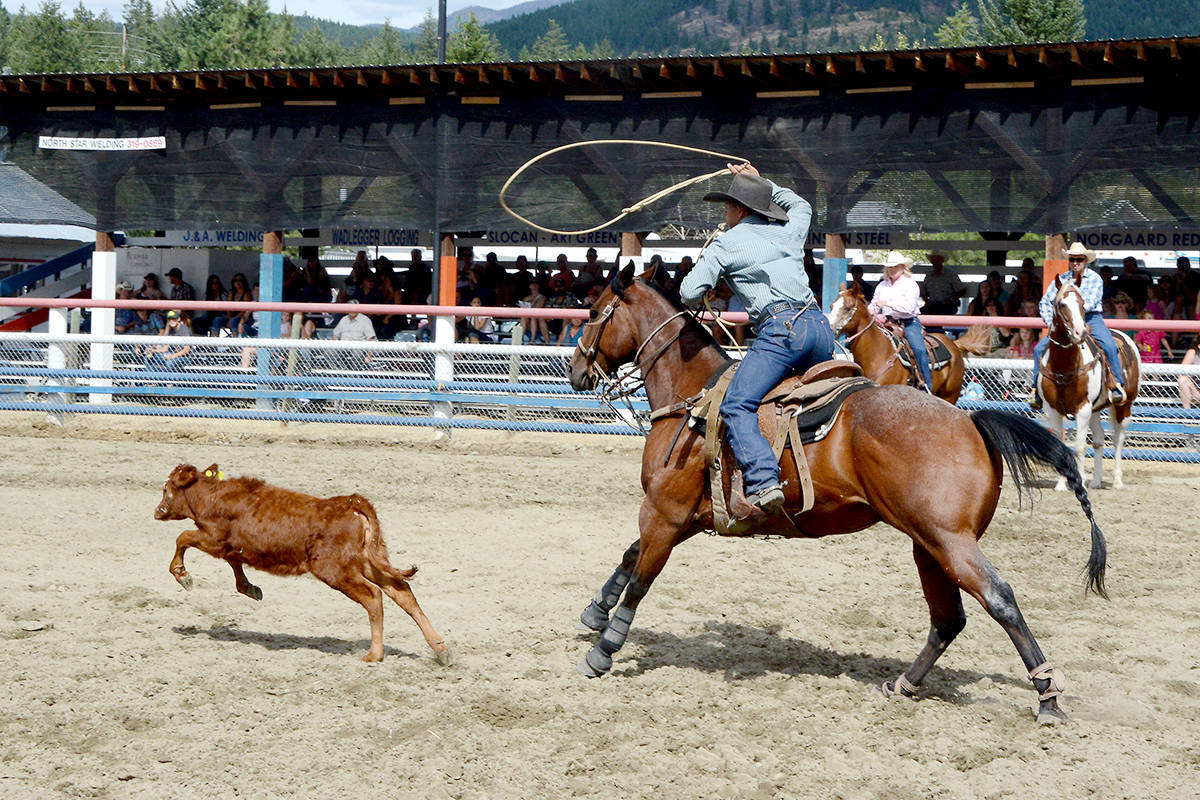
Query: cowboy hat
point(1077, 249)
point(897, 259)
point(754, 193)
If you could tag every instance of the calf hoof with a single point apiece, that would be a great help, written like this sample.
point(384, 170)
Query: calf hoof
point(444, 657)
point(371, 658)
point(185, 581)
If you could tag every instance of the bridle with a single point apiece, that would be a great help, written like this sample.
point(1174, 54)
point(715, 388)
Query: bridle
point(1060, 315)
point(617, 386)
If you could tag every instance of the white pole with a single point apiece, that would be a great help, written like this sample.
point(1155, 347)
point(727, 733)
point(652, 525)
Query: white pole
point(104, 285)
point(443, 366)
point(56, 356)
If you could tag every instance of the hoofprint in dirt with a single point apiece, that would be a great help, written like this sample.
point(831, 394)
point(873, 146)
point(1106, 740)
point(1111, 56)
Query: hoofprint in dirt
point(751, 673)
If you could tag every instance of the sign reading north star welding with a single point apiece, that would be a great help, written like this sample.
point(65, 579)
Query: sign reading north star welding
point(84, 143)
point(1141, 240)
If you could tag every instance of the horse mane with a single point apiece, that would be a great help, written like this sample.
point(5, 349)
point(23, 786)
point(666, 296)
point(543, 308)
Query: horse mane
point(672, 298)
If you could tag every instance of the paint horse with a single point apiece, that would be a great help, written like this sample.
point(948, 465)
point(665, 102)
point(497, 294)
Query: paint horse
point(1072, 383)
point(881, 357)
point(893, 453)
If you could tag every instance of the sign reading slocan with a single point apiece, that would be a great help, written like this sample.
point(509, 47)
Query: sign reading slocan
point(1141, 240)
point(532, 238)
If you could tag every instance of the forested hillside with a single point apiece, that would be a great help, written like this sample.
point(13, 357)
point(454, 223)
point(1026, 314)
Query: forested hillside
point(214, 34)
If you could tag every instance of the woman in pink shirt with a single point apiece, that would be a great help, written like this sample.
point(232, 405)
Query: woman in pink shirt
point(898, 297)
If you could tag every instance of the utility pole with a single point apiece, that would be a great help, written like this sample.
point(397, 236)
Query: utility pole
point(441, 32)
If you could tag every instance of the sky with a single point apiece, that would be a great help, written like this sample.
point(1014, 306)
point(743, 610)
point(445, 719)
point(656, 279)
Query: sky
point(402, 13)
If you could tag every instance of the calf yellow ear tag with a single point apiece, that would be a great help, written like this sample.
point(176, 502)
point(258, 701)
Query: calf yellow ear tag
point(219, 474)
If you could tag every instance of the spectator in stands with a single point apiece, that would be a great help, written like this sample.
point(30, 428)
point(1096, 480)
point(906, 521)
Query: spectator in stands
point(856, 278)
point(985, 293)
point(942, 289)
point(1150, 343)
point(1028, 308)
point(564, 273)
point(522, 278)
point(180, 289)
point(239, 292)
point(320, 290)
point(590, 274)
point(353, 283)
point(1023, 342)
point(214, 291)
point(1122, 306)
point(1189, 385)
point(171, 356)
point(125, 319)
point(536, 329)
point(999, 290)
point(295, 285)
point(573, 328)
point(480, 328)
point(560, 297)
point(686, 264)
point(150, 289)
point(391, 323)
point(354, 327)
point(1154, 302)
point(285, 332)
point(1024, 290)
point(477, 287)
point(1133, 281)
point(418, 280)
point(1187, 278)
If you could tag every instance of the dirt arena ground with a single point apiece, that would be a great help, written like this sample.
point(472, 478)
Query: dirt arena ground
point(750, 672)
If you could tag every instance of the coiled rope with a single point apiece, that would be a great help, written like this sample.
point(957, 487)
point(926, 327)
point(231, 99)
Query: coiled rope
point(636, 207)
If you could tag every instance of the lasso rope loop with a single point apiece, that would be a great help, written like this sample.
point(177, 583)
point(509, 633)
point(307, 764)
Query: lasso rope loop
point(633, 209)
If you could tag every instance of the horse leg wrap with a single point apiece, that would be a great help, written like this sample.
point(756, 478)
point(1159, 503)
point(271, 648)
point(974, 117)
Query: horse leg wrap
point(595, 616)
point(599, 658)
point(1056, 681)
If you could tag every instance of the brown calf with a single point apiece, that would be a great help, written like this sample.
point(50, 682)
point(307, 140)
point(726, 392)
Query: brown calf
point(336, 539)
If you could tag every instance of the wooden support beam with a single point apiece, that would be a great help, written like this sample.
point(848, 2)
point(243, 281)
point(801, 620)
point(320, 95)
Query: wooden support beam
point(775, 70)
point(1110, 55)
point(534, 75)
point(46, 85)
point(889, 63)
point(337, 79)
point(810, 67)
point(433, 75)
point(560, 74)
point(1073, 52)
point(691, 69)
point(980, 61)
point(108, 84)
point(360, 78)
point(1173, 50)
point(291, 81)
point(585, 74)
point(830, 66)
point(506, 75)
point(267, 82)
point(221, 81)
point(664, 71)
point(313, 81)
point(1012, 58)
point(385, 77)
point(72, 86)
point(22, 86)
point(460, 76)
point(414, 76)
point(919, 63)
point(483, 77)
point(1139, 52)
point(718, 70)
point(859, 64)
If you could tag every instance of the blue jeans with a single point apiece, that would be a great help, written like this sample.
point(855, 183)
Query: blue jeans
point(787, 342)
point(1103, 337)
point(915, 335)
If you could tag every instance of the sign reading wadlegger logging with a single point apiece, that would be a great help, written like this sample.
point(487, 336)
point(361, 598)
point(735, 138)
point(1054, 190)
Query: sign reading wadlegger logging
point(84, 143)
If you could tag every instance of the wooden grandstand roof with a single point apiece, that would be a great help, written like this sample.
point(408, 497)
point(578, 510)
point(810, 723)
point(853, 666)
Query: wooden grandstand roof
point(1014, 66)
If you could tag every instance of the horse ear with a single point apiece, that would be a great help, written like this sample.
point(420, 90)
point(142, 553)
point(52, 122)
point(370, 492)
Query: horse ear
point(1057, 282)
point(625, 278)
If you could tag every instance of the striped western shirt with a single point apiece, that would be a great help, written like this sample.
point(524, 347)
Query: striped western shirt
point(1091, 287)
point(762, 261)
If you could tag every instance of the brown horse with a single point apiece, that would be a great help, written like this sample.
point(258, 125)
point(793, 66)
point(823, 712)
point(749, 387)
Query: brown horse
point(894, 454)
point(873, 350)
point(1072, 383)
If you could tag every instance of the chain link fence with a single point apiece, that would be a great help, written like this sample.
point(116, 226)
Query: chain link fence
point(511, 387)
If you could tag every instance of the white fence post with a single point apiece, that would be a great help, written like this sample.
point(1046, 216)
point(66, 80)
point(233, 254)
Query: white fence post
point(104, 284)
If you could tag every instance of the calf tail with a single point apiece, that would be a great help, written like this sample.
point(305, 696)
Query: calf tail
point(1023, 443)
point(374, 549)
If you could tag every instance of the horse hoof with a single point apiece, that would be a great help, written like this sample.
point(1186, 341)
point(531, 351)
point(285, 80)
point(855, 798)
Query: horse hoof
point(595, 664)
point(592, 620)
point(445, 657)
point(185, 581)
point(1095, 484)
point(1061, 486)
point(1049, 717)
point(254, 593)
point(1118, 483)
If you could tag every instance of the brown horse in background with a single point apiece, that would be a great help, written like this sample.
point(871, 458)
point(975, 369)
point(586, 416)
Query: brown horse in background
point(893, 454)
point(874, 351)
point(1071, 383)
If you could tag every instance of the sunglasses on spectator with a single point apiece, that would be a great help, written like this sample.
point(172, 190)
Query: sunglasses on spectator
point(1077, 258)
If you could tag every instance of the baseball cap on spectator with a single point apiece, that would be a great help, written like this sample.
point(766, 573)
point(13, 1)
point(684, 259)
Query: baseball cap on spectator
point(175, 272)
point(172, 314)
point(126, 285)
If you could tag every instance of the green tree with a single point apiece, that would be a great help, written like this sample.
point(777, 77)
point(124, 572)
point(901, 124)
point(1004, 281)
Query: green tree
point(41, 42)
point(425, 46)
point(1014, 21)
point(97, 45)
point(472, 42)
point(386, 48)
point(550, 46)
point(960, 29)
point(314, 49)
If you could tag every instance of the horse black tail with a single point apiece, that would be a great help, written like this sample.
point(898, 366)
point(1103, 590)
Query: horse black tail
point(1023, 444)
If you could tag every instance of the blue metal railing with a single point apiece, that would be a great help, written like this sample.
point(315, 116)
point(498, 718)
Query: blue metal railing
point(13, 284)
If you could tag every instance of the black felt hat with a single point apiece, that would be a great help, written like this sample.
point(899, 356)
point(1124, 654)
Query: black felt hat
point(754, 193)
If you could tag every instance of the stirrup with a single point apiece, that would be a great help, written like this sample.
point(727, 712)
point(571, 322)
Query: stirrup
point(1117, 395)
point(1034, 400)
point(769, 499)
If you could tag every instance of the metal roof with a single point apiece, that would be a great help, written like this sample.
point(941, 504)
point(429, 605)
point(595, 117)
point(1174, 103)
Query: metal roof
point(25, 200)
point(1008, 66)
